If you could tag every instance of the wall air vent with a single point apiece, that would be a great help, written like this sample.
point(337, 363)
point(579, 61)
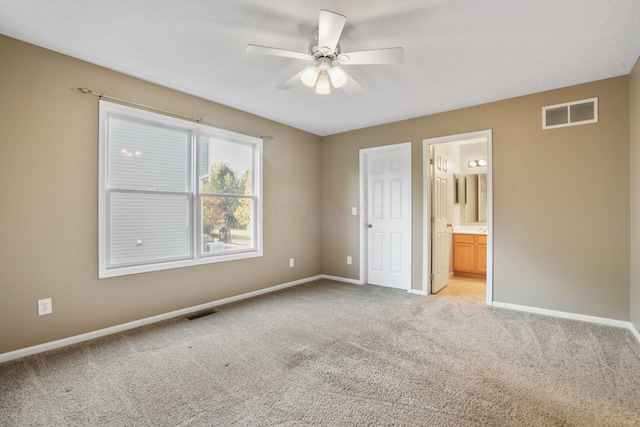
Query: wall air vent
point(199, 314)
point(570, 114)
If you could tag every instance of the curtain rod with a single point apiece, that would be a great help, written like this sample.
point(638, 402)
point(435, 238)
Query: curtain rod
point(85, 91)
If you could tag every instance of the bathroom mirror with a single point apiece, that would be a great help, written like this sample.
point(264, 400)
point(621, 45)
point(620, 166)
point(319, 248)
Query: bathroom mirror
point(473, 198)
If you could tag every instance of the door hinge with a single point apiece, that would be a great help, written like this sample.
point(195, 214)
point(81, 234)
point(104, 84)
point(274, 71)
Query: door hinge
point(431, 161)
point(432, 277)
point(433, 219)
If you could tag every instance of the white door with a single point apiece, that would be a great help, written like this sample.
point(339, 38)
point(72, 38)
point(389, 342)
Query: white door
point(440, 232)
point(389, 216)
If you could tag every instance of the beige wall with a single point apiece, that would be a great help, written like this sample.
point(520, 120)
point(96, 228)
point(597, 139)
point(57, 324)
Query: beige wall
point(634, 114)
point(561, 198)
point(49, 188)
point(561, 236)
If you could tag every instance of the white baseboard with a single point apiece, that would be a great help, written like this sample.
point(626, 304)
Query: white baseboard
point(572, 316)
point(360, 282)
point(634, 331)
point(16, 354)
point(342, 279)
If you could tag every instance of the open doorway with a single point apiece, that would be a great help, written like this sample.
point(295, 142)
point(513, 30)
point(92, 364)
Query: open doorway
point(458, 248)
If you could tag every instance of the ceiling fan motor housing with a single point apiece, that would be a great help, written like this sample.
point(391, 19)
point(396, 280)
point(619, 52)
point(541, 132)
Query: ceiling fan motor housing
point(318, 51)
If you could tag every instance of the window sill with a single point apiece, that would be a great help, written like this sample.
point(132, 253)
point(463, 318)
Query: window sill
point(207, 258)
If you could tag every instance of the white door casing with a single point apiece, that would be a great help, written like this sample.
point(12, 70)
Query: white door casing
point(388, 215)
point(439, 218)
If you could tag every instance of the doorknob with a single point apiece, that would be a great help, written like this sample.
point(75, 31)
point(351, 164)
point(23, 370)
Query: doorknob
point(369, 225)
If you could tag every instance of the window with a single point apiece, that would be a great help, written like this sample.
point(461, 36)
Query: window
point(174, 193)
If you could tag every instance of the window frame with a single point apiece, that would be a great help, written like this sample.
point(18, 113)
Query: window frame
point(196, 256)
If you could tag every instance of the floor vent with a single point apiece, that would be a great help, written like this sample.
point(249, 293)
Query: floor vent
point(570, 114)
point(200, 314)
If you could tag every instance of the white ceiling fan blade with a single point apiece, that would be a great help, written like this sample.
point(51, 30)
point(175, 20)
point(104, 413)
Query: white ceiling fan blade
point(351, 87)
point(264, 50)
point(288, 84)
point(329, 30)
point(392, 55)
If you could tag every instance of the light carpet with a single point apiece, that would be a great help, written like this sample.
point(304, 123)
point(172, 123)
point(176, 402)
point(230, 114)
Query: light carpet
point(334, 354)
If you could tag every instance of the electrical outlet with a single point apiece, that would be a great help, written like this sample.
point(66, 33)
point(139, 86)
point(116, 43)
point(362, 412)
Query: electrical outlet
point(44, 306)
point(349, 260)
point(291, 262)
point(354, 211)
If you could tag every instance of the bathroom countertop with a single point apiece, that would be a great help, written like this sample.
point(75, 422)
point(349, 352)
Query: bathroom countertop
point(470, 230)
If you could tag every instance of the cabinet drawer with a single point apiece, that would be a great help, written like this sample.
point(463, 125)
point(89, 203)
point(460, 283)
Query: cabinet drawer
point(463, 238)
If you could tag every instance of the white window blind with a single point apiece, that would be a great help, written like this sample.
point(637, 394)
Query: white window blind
point(148, 227)
point(144, 156)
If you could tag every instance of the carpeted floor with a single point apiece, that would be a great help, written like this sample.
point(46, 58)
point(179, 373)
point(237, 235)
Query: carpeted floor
point(333, 354)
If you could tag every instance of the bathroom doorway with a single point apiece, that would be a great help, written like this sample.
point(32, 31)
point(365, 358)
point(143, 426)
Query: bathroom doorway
point(458, 244)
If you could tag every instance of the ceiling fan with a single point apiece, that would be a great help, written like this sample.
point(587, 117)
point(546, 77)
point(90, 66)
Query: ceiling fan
point(327, 58)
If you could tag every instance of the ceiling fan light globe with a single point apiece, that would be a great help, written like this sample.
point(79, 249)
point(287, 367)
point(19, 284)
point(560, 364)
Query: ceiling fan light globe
point(309, 76)
point(323, 87)
point(338, 77)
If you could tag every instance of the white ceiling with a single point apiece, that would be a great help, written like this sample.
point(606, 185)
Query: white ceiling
point(457, 53)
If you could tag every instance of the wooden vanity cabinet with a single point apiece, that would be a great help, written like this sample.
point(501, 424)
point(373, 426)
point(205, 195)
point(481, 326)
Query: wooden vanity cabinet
point(470, 255)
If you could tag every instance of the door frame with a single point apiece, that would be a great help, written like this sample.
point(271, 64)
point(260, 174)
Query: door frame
point(426, 209)
point(406, 147)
